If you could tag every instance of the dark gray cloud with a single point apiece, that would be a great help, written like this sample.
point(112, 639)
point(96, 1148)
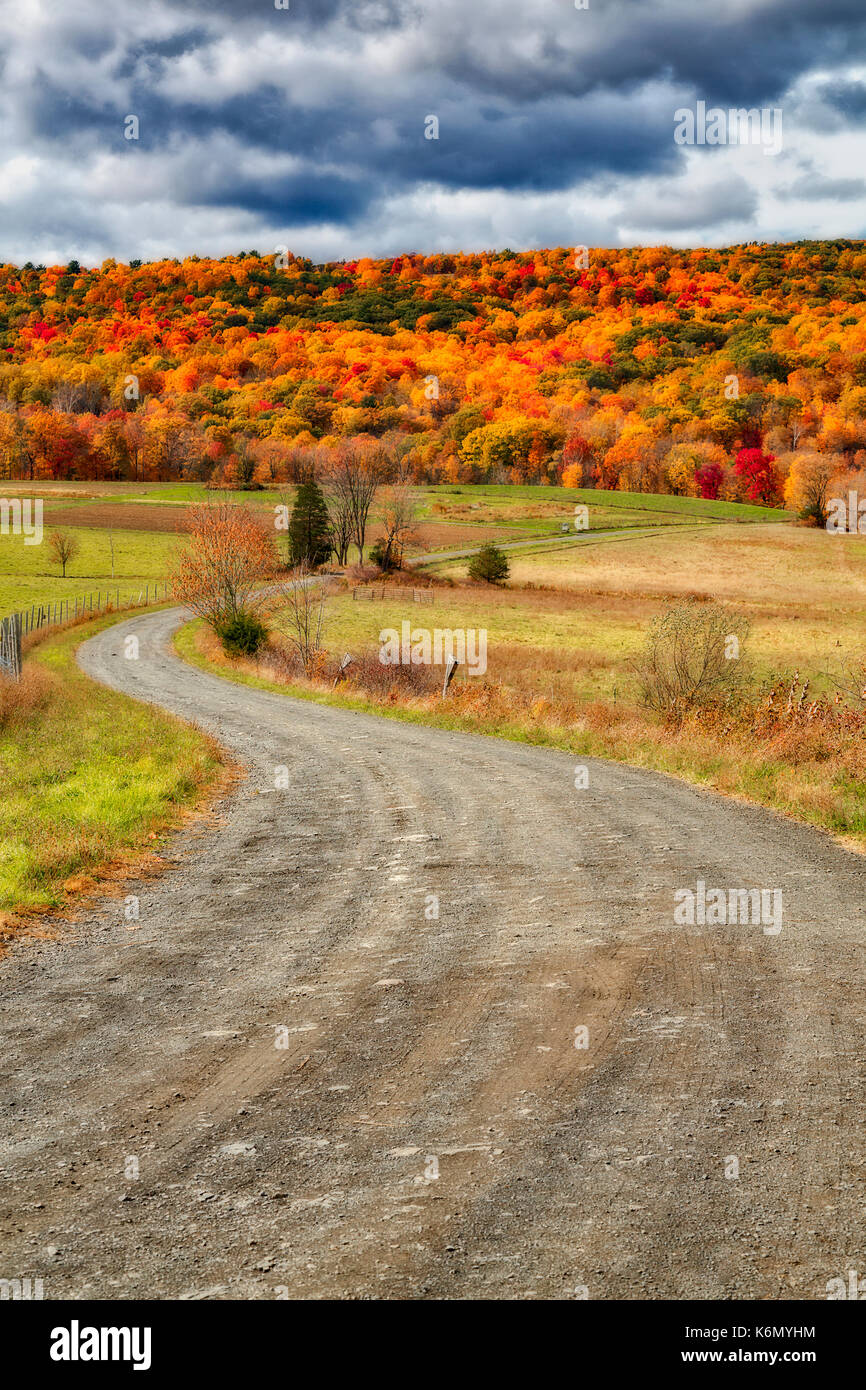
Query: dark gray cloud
point(308, 123)
point(848, 98)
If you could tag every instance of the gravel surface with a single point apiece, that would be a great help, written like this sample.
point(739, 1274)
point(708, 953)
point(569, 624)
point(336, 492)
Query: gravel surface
point(289, 1077)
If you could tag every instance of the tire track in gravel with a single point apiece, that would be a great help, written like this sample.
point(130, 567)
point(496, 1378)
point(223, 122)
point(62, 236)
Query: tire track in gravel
point(413, 1043)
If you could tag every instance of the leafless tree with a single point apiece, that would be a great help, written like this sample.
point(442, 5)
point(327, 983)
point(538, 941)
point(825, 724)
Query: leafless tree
point(301, 464)
point(302, 616)
point(397, 517)
point(64, 547)
point(77, 397)
point(353, 476)
point(340, 512)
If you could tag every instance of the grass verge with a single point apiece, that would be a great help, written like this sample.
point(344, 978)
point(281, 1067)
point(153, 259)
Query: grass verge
point(92, 780)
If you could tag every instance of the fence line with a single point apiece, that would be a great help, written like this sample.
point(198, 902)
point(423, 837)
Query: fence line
point(373, 592)
point(19, 625)
point(10, 646)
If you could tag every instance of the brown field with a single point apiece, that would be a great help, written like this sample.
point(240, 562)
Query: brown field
point(47, 487)
point(168, 518)
point(118, 516)
point(444, 535)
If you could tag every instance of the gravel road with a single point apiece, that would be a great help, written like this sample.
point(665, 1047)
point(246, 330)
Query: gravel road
point(291, 1078)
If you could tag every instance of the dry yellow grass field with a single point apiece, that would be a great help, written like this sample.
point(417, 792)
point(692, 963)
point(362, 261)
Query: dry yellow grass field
point(560, 661)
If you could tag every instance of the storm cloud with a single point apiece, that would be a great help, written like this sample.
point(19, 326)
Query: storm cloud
point(310, 125)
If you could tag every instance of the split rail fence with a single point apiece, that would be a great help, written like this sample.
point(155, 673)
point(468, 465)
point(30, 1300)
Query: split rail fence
point(372, 593)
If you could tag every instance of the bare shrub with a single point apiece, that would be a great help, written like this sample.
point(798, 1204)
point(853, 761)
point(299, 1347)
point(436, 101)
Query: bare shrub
point(851, 683)
point(796, 726)
point(302, 617)
point(692, 657)
point(392, 682)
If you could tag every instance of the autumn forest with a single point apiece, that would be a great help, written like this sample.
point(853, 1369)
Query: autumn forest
point(736, 374)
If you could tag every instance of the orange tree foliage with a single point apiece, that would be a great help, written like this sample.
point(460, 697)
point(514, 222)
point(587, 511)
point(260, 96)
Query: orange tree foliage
point(249, 370)
point(228, 559)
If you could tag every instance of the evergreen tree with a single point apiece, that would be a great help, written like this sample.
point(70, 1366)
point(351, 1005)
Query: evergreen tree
point(489, 565)
point(309, 527)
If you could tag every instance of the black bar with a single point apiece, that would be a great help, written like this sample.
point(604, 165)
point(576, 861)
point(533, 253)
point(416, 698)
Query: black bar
point(607, 1339)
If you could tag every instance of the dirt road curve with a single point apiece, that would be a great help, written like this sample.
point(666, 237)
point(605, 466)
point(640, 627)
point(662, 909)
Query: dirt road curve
point(416, 1045)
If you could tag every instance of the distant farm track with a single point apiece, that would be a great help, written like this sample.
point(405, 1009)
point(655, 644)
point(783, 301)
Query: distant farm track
point(417, 1046)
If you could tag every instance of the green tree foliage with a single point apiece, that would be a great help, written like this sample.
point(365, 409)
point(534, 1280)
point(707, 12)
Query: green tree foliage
point(490, 565)
point(309, 527)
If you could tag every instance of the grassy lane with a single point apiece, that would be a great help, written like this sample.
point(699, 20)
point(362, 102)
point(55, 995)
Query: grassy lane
point(91, 779)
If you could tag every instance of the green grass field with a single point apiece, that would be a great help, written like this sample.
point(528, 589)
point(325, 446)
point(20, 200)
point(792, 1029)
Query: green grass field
point(452, 515)
point(489, 496)
point(28, 576)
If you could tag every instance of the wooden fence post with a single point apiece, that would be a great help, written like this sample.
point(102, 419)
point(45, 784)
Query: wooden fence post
point(10, 646)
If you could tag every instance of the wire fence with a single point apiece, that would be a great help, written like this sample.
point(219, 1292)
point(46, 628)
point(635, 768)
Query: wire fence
point(17, 626)
point(10, 647)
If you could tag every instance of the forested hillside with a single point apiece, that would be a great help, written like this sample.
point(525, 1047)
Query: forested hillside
point(715, 372)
